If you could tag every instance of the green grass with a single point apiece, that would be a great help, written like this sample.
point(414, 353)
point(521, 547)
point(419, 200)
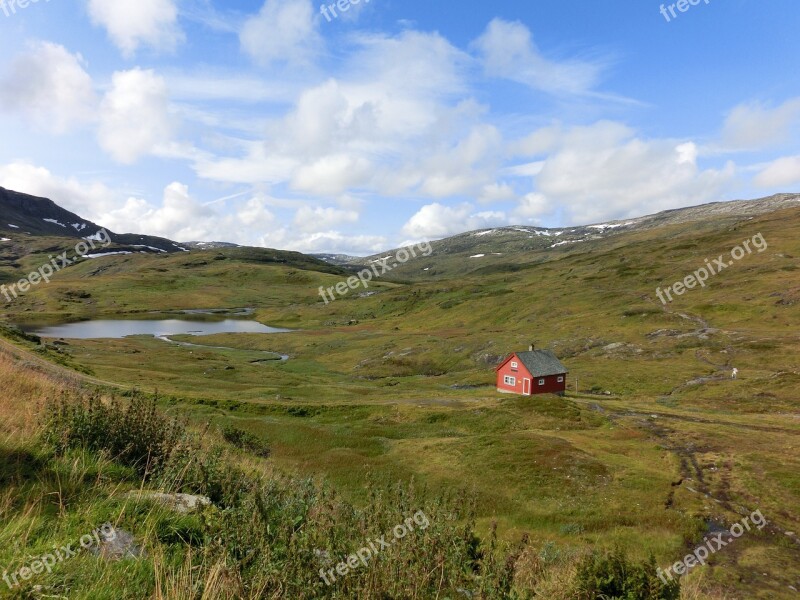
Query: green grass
point(399, 385)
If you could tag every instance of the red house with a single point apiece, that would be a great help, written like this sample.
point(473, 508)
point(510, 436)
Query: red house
point(532, 372)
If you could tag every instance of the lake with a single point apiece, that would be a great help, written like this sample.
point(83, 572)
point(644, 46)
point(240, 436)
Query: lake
point(120, 328)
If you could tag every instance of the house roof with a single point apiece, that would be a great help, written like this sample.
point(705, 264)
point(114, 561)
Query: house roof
point(542, 363)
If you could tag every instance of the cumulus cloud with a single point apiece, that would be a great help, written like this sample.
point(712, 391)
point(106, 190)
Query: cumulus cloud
point(496, 192)
point(134, 117)
point(333, 174)
point(507, 50)
point(50, 87)
point(243, 218)
point(325, 241)
point(86, 200)
point(606, 171)
point(532, 207)
point(782, 172)
point(437, 221)
point(134, 23)
point(284, 31)
point(755, 126)
point(386, 127)
point(317, 218)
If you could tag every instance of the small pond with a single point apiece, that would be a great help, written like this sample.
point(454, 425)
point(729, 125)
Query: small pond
point(161, 328)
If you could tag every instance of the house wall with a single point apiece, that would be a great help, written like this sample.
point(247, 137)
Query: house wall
point(519, 374)
point(551, 385)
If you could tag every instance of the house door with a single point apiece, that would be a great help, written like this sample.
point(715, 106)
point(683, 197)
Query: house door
point(526, 387)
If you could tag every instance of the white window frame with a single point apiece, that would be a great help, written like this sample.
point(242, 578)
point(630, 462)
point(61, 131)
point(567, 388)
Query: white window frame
point(541, 382)
point(515, 365)
point(561, 379)
point(509, 380)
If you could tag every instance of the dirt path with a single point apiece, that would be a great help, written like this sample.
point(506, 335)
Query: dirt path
point(691, 471)
point(45, 366)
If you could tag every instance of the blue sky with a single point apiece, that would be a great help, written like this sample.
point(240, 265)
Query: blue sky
point(268, 123)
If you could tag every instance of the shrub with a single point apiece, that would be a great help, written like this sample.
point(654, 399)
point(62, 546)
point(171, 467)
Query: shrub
point(135, 434)
point(244, 440)
point(612, 577)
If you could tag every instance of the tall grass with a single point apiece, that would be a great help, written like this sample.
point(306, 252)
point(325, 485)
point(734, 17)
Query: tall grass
point(265, 535)
point(280, 537)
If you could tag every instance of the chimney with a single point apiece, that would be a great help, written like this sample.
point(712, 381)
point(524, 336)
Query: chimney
point(530, 348)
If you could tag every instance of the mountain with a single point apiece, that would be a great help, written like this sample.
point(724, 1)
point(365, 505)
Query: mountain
point(22, 214)
point(338, 259)
point(490, 249)
point(209, 245)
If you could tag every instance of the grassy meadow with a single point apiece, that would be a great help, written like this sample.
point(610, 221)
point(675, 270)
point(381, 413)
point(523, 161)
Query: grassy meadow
point(654, 446)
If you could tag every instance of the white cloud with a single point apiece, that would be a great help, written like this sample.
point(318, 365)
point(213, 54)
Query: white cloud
point(507, 50)
point(284, 31)
point(496, 192)
point(437, 221)
point(50, 87)
point(86, 200)
point(532, 207)
point(782, 172)
point(317, 218)
point(179, 216)
point(756, 126)
point(386, 127)
point(605, 171)
point(133, 23)
point(134, 117)
point(182, 217)
point(466, 167)
point(331, 175)
point(325, 241)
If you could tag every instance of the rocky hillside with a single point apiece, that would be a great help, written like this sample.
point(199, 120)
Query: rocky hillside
point(25, 215)
point(487, 248)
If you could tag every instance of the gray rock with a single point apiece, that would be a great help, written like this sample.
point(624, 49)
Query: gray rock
point(180, 503)
point(118, 545)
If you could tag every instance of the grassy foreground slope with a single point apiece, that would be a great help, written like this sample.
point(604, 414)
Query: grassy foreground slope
point(398, 385)
point(87, 463)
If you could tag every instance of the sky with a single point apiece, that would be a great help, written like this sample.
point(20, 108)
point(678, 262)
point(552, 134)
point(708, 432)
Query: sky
point(279, 124)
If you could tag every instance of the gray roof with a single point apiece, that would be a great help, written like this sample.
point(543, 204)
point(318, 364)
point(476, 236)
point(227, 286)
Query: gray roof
point(542, 363)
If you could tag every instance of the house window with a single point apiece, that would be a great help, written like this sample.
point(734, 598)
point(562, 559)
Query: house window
point(560, 380)
point(508, 380)
point(514, 366)
point(541, 382)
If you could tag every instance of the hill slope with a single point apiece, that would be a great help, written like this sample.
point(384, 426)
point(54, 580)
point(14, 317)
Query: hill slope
point(22, 214)
point(399, 383)
point(488, 249)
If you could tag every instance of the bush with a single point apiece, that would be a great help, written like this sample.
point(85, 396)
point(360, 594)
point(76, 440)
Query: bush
point(244, 440)
point(135, 434)
point(612, 577)
point(280, 537)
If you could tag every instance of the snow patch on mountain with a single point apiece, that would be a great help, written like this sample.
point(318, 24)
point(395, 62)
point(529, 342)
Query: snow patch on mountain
point(102, 254)
point(604, 226)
